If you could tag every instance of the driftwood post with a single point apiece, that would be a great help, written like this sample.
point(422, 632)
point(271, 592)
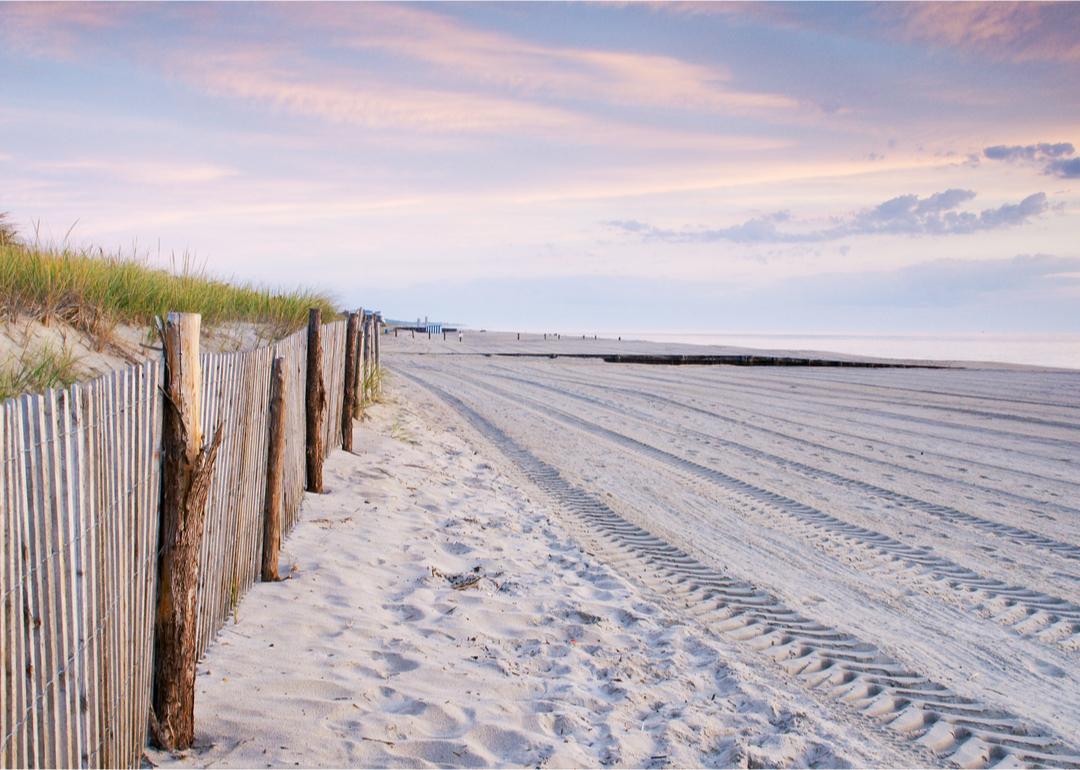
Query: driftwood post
point(186, 471)
point(350, 383)
point(275, 470)
point(315, 403)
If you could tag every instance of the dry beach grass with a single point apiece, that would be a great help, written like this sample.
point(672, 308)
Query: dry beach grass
point(94, 300)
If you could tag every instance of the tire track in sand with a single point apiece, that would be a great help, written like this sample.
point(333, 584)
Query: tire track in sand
point(943, 512)
point(1024, 610)
point(856, 674)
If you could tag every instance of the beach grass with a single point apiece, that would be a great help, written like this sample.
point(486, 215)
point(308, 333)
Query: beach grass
point(93, 291)
point(37, 370)
point(372, 384)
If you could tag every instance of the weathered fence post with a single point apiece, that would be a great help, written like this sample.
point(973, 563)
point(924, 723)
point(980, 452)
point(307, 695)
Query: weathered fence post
point(275, 470)
point(315, 403)
point(186, 472)
point(369, 357)
point(347, 408)
point(358, 367)
point(377, 324)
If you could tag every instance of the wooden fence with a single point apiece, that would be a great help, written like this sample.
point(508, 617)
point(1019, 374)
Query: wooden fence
point(80, 472)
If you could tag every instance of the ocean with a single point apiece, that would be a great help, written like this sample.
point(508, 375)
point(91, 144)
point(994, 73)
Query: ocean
point(1059, 350)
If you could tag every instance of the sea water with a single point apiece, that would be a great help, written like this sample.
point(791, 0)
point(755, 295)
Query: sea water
point(1060, 350)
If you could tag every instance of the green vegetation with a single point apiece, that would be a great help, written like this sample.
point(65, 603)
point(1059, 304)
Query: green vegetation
point(372, 383)
point(37, 370)
point(93, 291)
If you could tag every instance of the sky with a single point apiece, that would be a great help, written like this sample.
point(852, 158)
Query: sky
point(772, 167)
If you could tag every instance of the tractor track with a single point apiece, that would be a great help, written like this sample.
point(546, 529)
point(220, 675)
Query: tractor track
point(833, 664)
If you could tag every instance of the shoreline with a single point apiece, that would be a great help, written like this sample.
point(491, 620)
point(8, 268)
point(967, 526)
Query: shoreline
point(534, 343)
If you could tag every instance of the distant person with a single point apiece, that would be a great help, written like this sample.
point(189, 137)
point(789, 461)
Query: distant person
point(460, 336)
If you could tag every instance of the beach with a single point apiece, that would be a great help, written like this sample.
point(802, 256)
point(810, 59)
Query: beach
point(566, 562)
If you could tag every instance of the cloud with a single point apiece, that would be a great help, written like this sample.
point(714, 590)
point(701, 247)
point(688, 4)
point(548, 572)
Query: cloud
point(147, 172)
point(1053, 156)
point(397, 67)
point(1067, 169)
point(55, 30)
point(910, 215)
point(1001, 31)
point(1040, 151)
point(1016, 31)
point(516, 65)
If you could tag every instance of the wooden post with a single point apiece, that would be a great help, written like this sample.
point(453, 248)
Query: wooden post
point(347, 408)
point(186, 472)
point(358, 367)
point(370, 361)
point(365, 351)
point(376, 323)
point(275, 470)
point(315, 403)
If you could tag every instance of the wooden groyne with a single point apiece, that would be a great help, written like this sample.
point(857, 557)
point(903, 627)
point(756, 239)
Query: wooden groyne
point(673, 359)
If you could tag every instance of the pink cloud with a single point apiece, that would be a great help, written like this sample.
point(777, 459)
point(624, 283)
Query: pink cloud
point(1005, 30)
point(529, 69)
point(54, 30)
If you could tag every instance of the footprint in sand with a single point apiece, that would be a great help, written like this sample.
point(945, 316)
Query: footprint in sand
point(448, 721)
point(457, 548)
point(394, 702)
point(509, 746)
point(409, 613)
point(444, 754)
point(394, 663)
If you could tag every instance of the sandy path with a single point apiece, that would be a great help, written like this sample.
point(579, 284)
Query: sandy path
point(368, 656)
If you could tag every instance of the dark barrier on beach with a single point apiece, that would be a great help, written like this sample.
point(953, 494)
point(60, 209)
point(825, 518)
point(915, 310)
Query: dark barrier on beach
point(96, 484)
point(719, 360)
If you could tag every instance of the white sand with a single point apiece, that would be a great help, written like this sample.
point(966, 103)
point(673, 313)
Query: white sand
point(368, 657)
point(687, 566)
point(912, 537)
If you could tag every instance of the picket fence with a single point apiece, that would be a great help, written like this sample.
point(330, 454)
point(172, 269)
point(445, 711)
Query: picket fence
point(79, 499)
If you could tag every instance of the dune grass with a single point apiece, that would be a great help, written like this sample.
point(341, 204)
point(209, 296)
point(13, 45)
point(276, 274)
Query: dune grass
point(93, 291)
point(37, 370)
point(373, 384)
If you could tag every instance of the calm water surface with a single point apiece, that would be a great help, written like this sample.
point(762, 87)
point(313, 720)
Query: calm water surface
point(1039, 349)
